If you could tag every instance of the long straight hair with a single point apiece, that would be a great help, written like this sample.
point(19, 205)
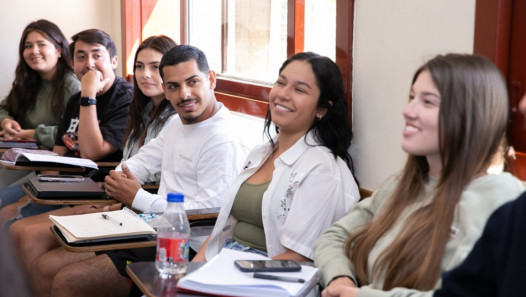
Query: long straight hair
point(137, 126)
point(23, 94)
point(472, 123)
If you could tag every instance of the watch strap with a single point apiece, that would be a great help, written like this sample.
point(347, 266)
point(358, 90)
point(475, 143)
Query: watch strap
point(87, 101)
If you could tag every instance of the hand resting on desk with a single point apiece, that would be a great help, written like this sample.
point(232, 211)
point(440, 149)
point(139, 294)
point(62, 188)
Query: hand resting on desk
point(10, 128)
point(122, 186)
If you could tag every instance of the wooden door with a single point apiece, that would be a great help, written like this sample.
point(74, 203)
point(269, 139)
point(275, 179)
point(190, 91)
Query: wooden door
point(500, 34)
point(516, 77)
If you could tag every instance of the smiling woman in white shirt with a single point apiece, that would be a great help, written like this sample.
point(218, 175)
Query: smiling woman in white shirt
point(295, 186)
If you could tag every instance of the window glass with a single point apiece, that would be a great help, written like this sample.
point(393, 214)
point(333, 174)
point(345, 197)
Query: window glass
point(320, 27)
point(204, 29)
point(244, 39)
point(247, 39)
point(257, 43)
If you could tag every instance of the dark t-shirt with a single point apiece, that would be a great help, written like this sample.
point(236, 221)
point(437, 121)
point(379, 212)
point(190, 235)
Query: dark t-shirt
point(112, 113)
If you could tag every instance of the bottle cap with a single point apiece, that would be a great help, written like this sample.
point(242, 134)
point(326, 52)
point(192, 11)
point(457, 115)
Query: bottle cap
point(175, 197)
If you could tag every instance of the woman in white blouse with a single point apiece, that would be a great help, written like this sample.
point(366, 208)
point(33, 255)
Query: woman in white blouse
point(295, 186)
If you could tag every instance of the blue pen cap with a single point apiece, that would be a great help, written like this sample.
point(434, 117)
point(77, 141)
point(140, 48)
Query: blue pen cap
point(175, 197)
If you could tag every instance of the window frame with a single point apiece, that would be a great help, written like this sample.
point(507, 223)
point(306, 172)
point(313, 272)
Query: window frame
point(246, 97)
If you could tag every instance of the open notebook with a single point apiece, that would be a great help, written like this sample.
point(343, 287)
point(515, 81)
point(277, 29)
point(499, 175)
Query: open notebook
point(102, 226)
point(220, 277)
point(41, 158)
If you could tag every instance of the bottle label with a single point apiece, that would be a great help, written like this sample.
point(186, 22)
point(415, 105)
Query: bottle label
point(172, 250)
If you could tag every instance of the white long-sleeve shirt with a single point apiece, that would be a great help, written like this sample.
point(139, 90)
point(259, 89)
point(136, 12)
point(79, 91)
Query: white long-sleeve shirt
point(200, 160)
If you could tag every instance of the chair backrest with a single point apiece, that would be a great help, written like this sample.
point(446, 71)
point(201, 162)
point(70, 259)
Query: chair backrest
point(364, 193)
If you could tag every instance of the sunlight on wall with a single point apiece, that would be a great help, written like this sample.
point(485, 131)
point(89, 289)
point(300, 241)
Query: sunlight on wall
point(163, 20)
point(129, 59)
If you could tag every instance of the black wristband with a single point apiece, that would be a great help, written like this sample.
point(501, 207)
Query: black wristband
point(87, 101)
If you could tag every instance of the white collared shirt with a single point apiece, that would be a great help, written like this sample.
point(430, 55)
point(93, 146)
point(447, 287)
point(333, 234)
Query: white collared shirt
point(310, 189)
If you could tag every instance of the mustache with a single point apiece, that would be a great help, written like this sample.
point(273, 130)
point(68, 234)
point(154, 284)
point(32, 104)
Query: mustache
point(188, 100)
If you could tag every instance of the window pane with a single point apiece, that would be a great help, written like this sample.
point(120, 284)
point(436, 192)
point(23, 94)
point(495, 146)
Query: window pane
point(247, 39)
point(255, 41)
point(320, 27)
point(204, 29)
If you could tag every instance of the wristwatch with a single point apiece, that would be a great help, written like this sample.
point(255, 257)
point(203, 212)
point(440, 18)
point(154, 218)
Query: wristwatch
point(87, 101)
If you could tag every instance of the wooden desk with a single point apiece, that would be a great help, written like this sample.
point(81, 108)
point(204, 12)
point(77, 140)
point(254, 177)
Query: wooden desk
point(68, 201)
point(202, 213)
point(151, 284)
point(193, 215)
point(151, 188)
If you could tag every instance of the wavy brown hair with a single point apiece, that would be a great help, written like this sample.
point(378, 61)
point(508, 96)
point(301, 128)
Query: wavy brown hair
point(472, 123)
point(23, 94)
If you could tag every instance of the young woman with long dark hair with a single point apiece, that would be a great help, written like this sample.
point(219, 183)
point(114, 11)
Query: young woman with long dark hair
point(44, 81)
point(296, 185)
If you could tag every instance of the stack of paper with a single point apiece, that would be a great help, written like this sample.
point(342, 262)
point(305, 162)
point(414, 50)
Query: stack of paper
point(220, 277)
point(18, 143)
point(100, 225)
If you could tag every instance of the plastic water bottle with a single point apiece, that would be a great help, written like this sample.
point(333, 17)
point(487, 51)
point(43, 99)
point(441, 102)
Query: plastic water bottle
point(172, 237)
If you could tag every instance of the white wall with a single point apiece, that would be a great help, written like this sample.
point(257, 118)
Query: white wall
point(391, 40)
point(71, 16)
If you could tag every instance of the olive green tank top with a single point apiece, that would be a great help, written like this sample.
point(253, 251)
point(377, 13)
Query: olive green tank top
point(247, 210)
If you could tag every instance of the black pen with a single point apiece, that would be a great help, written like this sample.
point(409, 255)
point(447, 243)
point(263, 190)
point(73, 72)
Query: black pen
point(107, 217)
point(279, 278)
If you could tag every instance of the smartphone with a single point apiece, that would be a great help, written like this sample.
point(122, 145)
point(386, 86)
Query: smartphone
point(267, 265)
point(60, 178)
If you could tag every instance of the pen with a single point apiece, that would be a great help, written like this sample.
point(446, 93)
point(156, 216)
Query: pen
point(279, 278)
point(107, 217)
